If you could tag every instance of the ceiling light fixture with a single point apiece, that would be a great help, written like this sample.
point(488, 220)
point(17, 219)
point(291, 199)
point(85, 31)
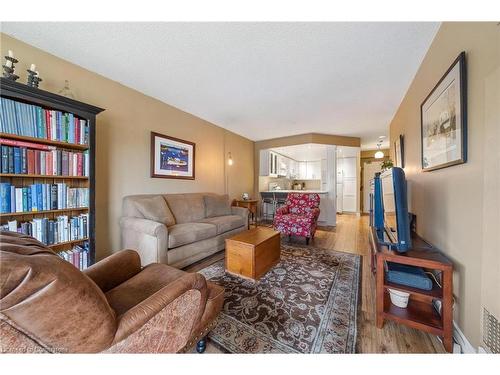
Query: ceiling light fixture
point(379, 155)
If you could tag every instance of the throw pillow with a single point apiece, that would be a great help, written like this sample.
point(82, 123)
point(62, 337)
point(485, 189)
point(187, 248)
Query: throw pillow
point(156, 209)
point(217, 205)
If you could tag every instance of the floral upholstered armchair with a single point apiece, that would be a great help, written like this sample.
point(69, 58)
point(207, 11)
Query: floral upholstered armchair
point(299, 216)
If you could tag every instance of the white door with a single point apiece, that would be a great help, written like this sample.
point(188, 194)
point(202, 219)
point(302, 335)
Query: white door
point(369, 170)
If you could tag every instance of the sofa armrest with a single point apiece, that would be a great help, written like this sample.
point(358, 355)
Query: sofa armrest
point(149, 238)
point(115, 269)
point(241, 211)
point(169, 297)
point(146, 226)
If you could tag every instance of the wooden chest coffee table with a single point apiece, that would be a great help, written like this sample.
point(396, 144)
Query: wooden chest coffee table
point(252, 253)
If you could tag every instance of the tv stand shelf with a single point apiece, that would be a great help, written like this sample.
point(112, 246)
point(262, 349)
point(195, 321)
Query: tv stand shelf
point(420, 312)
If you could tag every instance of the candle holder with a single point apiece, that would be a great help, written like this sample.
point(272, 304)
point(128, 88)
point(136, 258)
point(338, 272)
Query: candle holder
point(33, 78)
point(9, 71)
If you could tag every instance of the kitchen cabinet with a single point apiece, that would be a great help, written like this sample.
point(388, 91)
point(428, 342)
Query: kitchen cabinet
point(283, 163)
point(313, 170)
point(292, 169)
point(302, 170)
point(268, 163)
point(309, 170)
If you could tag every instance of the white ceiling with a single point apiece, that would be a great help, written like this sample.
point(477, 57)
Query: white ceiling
point(260, 80)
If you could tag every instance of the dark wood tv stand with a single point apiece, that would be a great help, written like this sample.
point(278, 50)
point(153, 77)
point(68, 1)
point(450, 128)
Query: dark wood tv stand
point(420, 313)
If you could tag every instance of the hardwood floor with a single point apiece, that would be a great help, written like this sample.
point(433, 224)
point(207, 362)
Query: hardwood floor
point(351, 236)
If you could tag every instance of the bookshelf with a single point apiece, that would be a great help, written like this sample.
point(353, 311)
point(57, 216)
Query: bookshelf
point(81, 181)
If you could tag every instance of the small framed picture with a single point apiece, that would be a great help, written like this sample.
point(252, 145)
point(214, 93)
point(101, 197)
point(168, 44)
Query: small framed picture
point(399, 152)
point(172, 157)
point(444, 120)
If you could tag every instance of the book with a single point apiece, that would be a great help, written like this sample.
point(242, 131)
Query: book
point(22, 160)
point(10, 156)
point(19, 199)
point(17, 160)
point(38, 146)
point(5, 159)
point(5, 197)
point(37, 122)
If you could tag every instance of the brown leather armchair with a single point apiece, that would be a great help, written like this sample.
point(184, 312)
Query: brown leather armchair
point(47, 305)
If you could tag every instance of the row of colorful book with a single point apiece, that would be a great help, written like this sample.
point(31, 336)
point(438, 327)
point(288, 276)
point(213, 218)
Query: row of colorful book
point(77, 256)
point(34, 121)
point(41, 197)
point(49, 232)
point(33, 158)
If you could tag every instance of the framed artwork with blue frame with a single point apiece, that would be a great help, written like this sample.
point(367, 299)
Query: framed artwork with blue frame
point(444, 119)
point(172, 157)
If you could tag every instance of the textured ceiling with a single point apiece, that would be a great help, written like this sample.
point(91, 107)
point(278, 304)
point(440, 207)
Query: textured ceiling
point(260, 80)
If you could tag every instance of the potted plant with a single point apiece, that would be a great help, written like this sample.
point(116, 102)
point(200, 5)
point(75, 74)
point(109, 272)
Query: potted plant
point(387, 164)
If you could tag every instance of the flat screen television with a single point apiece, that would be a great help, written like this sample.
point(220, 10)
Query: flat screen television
point(392, 208)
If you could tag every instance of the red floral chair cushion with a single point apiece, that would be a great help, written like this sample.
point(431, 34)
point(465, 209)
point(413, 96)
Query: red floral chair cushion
point(299, 215)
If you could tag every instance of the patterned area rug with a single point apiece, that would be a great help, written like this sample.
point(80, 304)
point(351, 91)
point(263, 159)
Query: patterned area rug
point(305, 304)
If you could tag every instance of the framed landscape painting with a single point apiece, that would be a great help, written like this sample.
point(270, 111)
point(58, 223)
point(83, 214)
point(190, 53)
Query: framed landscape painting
point(444, 120)
point(172, 157)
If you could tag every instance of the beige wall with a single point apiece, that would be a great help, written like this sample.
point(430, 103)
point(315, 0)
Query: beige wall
point(123, 140)
point(450, 204)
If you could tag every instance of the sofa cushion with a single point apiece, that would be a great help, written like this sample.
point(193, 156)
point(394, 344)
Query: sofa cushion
point(187, 208)
point(155, 208)
point(217, 205)
point(225, 223)
point(183, 234)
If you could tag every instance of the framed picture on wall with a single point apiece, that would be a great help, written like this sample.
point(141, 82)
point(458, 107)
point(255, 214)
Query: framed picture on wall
point(444, 120)
point(399, 154)
point(172, 157)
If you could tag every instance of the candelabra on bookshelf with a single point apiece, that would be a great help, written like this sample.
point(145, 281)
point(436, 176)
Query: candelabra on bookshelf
point(33, 78)
point(9, 69)
point(15, 136)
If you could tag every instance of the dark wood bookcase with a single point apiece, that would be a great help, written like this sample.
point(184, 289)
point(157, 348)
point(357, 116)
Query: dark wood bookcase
point(47, 100)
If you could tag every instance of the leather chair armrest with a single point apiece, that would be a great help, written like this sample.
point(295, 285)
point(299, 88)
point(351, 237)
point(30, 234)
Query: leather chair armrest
point(115, 269)
point(145, 226)
point(136, 317)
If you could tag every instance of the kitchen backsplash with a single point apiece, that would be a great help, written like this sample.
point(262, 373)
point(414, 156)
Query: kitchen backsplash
point(287, 184)
point(309, 184)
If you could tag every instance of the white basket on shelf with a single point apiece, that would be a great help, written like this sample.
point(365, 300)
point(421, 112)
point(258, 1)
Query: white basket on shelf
point(399, 298)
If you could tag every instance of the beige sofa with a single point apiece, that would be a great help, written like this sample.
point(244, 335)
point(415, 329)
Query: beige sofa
point(179, 229)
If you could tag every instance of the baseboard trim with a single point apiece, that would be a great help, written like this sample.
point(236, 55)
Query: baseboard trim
point(462, 340)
